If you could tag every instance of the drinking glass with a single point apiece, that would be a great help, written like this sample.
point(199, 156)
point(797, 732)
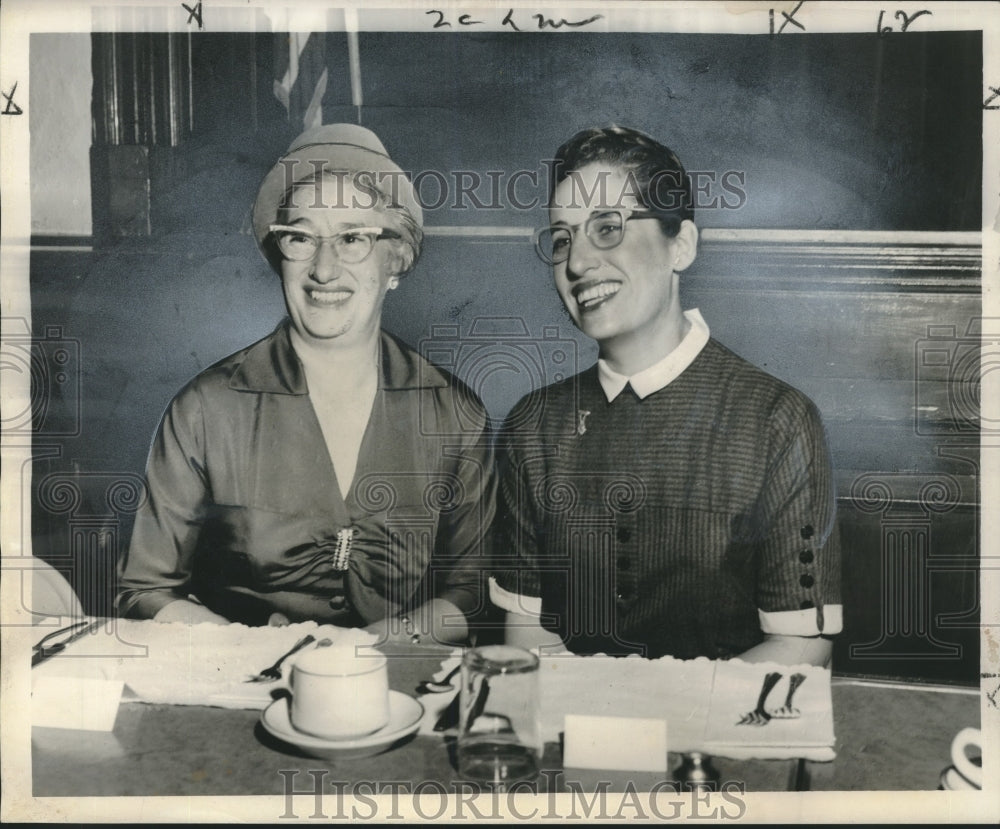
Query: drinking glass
point(499, 732)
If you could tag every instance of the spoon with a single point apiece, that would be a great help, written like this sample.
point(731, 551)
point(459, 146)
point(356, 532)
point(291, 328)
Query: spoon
point(430, 686)
point(274, 672)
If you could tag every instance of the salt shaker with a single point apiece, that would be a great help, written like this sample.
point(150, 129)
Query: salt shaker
point(696, 772)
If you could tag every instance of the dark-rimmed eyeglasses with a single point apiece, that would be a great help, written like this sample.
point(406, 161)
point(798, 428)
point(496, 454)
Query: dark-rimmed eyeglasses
point(352, 245)
point(605, 229)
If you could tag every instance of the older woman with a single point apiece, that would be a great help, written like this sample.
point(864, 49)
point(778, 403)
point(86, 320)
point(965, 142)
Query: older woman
point(673, 499)
point(323, 472)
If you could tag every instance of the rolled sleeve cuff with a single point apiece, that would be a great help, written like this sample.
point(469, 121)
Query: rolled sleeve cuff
point(514, 602)
point(825, 621)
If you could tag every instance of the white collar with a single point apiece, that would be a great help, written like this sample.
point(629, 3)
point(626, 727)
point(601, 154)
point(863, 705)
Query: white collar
point(663, 372)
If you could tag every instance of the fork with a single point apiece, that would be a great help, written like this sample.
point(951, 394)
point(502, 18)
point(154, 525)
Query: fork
point(759, 715)
point(274, 672)
point(789, 711)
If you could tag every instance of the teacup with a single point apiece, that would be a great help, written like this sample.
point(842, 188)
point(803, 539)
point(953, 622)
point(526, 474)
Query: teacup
point(970, 769)
point(339, 692)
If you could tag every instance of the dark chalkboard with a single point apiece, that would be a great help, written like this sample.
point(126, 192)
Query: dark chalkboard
point(832, 131)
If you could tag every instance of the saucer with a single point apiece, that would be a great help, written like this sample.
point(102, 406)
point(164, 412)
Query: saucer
point(405, 714)
point(952, 780)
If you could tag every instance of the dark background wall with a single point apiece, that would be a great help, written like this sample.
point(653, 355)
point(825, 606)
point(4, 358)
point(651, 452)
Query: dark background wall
point(828, 132)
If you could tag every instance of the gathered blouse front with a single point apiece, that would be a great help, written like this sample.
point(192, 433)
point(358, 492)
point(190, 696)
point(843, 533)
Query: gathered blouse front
point(244, 512)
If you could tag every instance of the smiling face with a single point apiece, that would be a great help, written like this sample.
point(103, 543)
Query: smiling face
point(626, 296)
point(331, 302)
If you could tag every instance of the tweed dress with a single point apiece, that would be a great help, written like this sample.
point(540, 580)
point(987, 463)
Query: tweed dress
point(678, 524)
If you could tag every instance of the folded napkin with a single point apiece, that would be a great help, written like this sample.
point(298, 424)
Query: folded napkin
point(707, 704)
point(797, 704)
point(181, 664)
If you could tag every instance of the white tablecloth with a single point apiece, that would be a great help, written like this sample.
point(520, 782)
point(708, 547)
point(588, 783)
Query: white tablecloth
point(702, 700)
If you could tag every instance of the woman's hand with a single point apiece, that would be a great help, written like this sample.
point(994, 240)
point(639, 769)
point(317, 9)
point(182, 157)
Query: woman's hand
point(791, 650)
point(188, 612)
point(437, 622)
point(527, 632)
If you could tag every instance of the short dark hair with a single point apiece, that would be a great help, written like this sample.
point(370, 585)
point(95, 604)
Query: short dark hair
point(660, 181)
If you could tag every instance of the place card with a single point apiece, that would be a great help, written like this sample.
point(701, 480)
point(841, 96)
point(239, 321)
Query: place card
point(75, 702)
point(622, 743)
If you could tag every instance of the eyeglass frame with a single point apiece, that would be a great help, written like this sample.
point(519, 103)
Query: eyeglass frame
point(626, 213)
point(377, 233)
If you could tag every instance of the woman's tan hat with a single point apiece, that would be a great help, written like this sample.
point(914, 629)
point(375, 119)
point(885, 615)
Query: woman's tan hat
point(346, 148)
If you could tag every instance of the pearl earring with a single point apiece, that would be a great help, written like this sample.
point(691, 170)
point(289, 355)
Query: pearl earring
point(393, 283)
